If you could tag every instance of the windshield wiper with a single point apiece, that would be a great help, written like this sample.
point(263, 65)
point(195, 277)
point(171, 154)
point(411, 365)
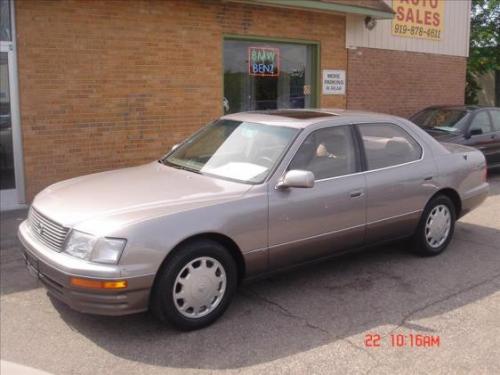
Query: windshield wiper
point(178, 166)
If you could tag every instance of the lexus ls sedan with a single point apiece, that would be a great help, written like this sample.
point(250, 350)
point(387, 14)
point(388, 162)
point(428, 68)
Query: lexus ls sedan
point(248, 194)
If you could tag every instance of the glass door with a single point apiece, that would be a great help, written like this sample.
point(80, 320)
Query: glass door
point(7, 176)
point(11, 169)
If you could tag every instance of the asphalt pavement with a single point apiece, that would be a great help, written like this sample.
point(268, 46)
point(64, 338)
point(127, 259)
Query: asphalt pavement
point(382, 311)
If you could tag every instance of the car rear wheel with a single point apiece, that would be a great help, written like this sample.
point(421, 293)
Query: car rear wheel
point(436, 227)
point(195, 286)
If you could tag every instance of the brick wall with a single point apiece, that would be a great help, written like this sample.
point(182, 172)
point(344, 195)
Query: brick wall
point(400, 82)
point(111, 84)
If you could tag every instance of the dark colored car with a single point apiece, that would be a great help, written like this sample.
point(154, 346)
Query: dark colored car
point(467, 125)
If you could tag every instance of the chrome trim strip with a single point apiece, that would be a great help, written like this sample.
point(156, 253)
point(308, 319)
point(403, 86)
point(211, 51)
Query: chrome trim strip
point(394, 217)
point(255, 250)
point(368, 171)
point(343, 230)
point(316, 236)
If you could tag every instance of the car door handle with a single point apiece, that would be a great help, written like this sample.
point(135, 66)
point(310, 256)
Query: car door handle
point(428, 178)
point(357, 193)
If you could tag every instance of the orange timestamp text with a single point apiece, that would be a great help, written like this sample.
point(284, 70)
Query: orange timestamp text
point(399, 340)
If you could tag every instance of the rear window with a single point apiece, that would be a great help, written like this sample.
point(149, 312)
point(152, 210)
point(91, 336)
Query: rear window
point(387, 145)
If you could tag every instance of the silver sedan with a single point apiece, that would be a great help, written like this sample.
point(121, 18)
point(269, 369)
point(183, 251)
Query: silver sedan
point(249, 194)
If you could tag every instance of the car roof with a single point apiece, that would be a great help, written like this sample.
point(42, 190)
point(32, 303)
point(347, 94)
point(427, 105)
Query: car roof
point(468, 108)
point(302, 118)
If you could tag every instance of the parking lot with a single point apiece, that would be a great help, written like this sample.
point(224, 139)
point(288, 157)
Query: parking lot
point(319, 319)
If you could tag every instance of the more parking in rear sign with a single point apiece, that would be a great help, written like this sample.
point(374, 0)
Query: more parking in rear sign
point(333, 82)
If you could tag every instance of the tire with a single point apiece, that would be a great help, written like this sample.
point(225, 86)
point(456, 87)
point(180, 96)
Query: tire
point(429, 240)
point(200, 274)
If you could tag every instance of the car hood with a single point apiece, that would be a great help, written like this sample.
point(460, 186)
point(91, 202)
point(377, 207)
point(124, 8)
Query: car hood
point(132, 193)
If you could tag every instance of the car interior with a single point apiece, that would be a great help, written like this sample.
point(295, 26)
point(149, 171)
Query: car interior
point(336, 157)
point(382, 152)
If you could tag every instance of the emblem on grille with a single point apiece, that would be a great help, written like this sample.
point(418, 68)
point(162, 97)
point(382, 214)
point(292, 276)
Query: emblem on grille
point(39, 228)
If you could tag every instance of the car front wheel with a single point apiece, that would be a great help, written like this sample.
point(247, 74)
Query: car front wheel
point(436, 227)
point(195, 286)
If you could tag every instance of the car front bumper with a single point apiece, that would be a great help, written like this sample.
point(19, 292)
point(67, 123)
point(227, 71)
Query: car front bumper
point(55, 270)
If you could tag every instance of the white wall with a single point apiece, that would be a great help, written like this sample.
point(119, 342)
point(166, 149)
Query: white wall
point(454, 40)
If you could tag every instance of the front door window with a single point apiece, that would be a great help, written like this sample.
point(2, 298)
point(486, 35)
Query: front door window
point(267, 75)
point(327, 153)
point(481, 123)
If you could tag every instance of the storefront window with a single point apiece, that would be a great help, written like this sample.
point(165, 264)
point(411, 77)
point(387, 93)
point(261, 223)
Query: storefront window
point(5, 34)
point(268, 75)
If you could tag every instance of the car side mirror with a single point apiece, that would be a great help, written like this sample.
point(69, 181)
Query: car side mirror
point(296, 178)
point(475, 132)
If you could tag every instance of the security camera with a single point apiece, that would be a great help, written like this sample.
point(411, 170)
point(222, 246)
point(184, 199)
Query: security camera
point(370, 22)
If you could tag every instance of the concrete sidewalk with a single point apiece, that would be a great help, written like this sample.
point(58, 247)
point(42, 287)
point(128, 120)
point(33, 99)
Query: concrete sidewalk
point(10, 368)
point(321, 319)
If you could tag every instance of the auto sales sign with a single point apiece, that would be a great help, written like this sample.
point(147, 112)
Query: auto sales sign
point(418, 18)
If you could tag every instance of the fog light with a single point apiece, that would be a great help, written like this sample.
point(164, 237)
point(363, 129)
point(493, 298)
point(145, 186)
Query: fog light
point(98, 284)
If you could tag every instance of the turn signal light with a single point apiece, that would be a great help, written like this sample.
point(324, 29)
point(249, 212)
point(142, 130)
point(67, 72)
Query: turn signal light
point(98, 284)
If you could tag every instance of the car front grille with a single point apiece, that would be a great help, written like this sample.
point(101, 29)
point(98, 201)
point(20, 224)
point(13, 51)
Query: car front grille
point(46, 230)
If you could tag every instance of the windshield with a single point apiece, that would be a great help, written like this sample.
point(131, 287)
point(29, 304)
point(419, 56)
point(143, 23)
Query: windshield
point(236, 150)
point(441, 119)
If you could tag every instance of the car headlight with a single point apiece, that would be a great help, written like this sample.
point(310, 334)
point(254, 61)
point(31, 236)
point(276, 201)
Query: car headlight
point(101, 250)
point(80, 244)
point(108, 250)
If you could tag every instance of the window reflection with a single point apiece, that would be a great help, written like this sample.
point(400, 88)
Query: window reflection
point(6, 155)
point(5, 33)
point(283, 79)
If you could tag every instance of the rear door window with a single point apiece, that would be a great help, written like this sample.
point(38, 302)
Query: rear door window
point(388, 145)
